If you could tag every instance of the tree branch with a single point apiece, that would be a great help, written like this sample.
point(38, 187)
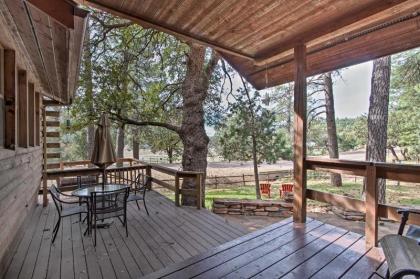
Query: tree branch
point(129, 121)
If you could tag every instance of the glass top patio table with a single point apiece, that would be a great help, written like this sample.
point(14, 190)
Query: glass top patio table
point(86, 192)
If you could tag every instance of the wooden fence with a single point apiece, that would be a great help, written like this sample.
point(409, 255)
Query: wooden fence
point(126, 174)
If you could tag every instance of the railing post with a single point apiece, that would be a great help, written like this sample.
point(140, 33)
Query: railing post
point(44, 189)
point(149, 174)
point(176, 189)
point(371, 225)
point(198, 190)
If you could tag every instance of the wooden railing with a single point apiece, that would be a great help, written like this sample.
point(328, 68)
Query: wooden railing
point(126, 174)
point(372, 171)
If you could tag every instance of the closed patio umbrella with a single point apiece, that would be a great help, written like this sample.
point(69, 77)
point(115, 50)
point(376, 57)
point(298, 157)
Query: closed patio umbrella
point(103, 154)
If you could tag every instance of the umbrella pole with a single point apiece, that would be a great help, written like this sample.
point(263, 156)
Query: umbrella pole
point(103, 178)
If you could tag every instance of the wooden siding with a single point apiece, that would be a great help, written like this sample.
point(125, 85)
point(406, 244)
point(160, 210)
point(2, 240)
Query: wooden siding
point(169, 235)
point(20, 178)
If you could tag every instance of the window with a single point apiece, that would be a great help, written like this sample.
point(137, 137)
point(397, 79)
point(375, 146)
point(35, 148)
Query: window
point(23, 108)
point(31, 114)
point(9, 85)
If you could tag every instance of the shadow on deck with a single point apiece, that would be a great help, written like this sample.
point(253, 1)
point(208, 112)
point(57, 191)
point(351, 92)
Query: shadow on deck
point(169, 235)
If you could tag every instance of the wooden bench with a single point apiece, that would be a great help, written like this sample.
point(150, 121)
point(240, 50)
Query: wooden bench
point(402, 255)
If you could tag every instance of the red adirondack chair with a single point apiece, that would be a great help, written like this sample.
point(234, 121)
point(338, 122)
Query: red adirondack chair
point(286, 187)
point(265, 189)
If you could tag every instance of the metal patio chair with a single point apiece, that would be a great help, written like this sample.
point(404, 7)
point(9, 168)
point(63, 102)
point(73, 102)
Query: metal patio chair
point(78, 207)
point(107, 205)
point(138, 191)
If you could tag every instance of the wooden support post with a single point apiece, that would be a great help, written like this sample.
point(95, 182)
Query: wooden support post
point(299, 202)
point(44, 153)
point(371, 225)
point(176, 189)
point(198, 190)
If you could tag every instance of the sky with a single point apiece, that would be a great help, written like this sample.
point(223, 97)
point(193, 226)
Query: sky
point(352, 92)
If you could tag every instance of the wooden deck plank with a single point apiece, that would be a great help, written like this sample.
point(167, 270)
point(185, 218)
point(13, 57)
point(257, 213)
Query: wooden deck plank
point(54, 261)
point(177, 242)
point(67, 266)
point(32, 254)
point(251, 265)
point(224, 247)
point(176, 214)
point(103, 258)
point(135, 252)
point(285, 265)
point(311, 266)
point(154, 241)
point(343, 262)
point(367, 264)
point(216, 229)
point(22, 249)
point(79, 257)
point(166, 240)
point(254, 246)
point(113, 254)
point(41, 265)
point(176, 228)
point(130, 264)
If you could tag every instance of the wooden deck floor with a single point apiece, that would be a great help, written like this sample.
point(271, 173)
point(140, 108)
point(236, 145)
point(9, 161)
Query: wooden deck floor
point(169, 235)
point(284, 250)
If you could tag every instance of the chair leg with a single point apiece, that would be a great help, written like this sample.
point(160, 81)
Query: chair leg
point(138, 206)
point(55, 231)
point(144, 202)
point(125, 224)
point(94, 228)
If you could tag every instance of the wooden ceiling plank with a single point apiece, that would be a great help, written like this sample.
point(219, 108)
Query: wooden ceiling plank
point(147, 23)
point(317, 31)
point(396, 38)
point(60, 10)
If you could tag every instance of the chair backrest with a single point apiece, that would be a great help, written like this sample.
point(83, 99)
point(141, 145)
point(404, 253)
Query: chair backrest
point(109, 201)
point(287, 187)
point(265, 188)
point(142, 182)
point(55, 195)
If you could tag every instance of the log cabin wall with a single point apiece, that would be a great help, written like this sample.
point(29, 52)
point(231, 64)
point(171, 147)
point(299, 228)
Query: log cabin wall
point(20, 165)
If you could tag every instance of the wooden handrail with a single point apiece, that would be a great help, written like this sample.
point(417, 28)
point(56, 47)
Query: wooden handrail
point(135, 165)
point(372, 171)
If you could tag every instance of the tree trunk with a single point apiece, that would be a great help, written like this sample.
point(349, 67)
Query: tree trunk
point(192, 132)
point(88, 77)
point(331, 127)
point(255, 161)
point(378, 117)
point(136, 144)
point(170, 154)
point(120, 143)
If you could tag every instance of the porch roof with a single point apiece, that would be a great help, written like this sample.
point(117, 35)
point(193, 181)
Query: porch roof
point(257, 37)
point(52, 36)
